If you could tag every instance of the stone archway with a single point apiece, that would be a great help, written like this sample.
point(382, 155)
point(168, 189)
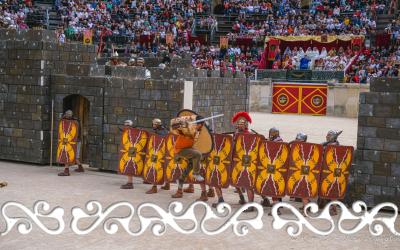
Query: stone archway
point(80, 106)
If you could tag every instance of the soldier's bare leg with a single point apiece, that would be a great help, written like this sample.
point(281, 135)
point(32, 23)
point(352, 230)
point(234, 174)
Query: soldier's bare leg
point(210, 192)
point(189, 189)
point(218, 191)
point(66, 171)
point(203, 196)
point(241, 196)
point(152, 190)
point(129, 184)
point(250, 197)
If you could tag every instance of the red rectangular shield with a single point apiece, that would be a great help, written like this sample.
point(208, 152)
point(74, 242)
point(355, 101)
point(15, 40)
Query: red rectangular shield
point(174, 166)
point(155, 158)
point(132, 151)
point(335, 171)
point(305, 161)
point(245, 160)
point(219, 162)
point(68, 131)
point(273, 168)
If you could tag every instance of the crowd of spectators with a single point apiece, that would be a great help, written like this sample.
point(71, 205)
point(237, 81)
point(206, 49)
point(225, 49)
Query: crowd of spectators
point(13, 13)
point(314, 59)
point(375, 62)
point(156, 20)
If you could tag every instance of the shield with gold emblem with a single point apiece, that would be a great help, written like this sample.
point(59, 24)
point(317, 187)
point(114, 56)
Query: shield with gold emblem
point(245, 160)
point(304, 170)
point(174, 166)
point(133, 151)
point(335, 171)
point(155, 157)
point(272, 170)
point(68, 131)
point(219, 162)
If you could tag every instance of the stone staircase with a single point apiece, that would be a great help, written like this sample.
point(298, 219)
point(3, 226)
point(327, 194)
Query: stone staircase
point(383, 20)
point(47, 14)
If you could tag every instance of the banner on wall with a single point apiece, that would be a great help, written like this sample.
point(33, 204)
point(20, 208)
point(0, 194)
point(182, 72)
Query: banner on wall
point(273, 45)
point(223, 41)
point(299, 98)
point(169, 39)
point(87, 37)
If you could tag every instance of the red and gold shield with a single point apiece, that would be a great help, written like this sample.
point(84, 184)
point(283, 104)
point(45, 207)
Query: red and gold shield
point(272, 170)
point(304, 170)
point(203, 167)
point(174, 166)
point(335, 171)
point(245, 160)
point(154, 165)
point(219, 162)
point(133, 151)
point(67, 141)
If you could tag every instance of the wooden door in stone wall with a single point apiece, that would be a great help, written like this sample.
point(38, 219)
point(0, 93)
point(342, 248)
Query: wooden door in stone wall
point(80, 107)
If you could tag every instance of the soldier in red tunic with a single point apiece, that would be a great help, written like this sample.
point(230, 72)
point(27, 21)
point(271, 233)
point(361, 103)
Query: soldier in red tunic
point(241, 121)
point(69, 116)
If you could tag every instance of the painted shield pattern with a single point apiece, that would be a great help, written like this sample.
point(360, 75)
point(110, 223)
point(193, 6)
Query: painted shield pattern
point(245, 160)
point(155, 157)
point(67, 141)
point(335, 171)
point(272, 170)
point(219, 161)
point(174, 166)
point(133, 151)
point(304, 170)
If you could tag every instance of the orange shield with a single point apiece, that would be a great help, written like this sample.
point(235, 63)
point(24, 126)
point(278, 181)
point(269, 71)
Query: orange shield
point(133, 151)
point(272, 171)
point(304, 170)
point(245, 160)
point(67, 141)
point(154, 165)
point(335, 171)
point(219, 162)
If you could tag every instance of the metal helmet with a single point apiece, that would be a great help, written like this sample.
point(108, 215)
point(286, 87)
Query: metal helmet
point(128, 123)
point(331, 136)
point(69, 113)
point(157, 122)
point(273, 132)
point(301, 137)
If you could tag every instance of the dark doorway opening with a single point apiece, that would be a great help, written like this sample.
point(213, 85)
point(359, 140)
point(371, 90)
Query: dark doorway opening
point(80, 107)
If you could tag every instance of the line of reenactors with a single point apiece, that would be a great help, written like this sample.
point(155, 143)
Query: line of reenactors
point(187, 132)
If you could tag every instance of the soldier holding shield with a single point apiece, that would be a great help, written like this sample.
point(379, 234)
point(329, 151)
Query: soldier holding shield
point(69, 135)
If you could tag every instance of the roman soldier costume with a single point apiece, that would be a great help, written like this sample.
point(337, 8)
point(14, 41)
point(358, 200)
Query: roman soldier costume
point(159, 129)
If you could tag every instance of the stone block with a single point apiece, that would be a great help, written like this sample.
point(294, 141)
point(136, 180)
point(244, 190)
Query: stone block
point(381, 168)
point(366, 110)
point(378, 180)
point(381, 110)
point(395, 169)
point(393, 123)
point(374, 143)
point(370, 97)
point(392, 145)
point(373, 189)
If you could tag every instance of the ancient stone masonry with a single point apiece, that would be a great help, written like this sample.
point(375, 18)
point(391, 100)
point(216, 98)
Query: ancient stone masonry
point(36, 71)
point(377, 170)
point(28, 59)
